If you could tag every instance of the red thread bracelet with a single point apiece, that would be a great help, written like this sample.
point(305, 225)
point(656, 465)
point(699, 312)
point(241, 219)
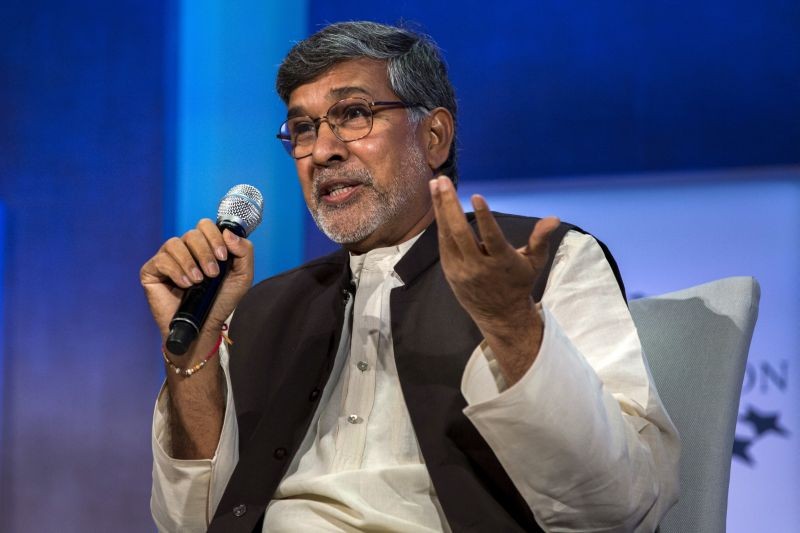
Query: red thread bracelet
point(187, 372)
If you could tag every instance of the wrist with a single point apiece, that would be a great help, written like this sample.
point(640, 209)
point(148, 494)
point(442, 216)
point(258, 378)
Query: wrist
point(511, 320)
point(204, 347)
point(189, 371)
point(515, 341)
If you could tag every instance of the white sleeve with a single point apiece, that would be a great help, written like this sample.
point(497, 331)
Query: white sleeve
point(186, 493)
point(583, 435)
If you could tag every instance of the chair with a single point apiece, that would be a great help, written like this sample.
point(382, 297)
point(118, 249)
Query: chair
point(696, 341)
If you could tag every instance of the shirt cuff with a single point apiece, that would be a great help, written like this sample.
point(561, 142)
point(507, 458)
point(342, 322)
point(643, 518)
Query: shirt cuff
point(482, 379)
point(185, 493)
point(550, 435)
point(558, 370)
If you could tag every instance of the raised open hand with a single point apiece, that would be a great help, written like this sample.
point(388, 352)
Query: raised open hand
point(491, 279)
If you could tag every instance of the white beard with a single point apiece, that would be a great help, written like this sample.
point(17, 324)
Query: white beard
point(372, 207)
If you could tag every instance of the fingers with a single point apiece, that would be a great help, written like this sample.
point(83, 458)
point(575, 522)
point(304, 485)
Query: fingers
point(176, 254)
point(538, 245)
point(204, 243)
point(186, 260)
point(214, 237)
point(494, 242)
point(164, 266)
point(455, 234)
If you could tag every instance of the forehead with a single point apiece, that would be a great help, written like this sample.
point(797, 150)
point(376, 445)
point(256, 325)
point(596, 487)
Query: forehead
point(355, 77)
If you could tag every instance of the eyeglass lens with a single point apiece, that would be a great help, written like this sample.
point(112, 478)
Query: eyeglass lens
point(349, 119)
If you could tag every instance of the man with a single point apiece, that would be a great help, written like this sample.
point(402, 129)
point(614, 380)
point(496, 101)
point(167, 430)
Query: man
point(427, 377)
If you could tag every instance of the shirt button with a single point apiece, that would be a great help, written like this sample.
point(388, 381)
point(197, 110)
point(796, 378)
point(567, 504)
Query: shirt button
point(353, 419)
point(314, 395)
point(362, 365)
point(239, 510)
point(279, 453)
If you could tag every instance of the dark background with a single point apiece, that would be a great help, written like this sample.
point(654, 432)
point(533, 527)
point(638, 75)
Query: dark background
point(558, 89)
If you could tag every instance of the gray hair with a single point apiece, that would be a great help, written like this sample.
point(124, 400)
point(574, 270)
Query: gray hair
point(417, 73)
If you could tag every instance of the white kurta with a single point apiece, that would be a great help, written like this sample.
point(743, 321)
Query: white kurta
point(583, 434)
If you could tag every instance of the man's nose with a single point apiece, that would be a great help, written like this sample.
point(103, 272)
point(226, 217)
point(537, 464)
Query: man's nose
point(327, 146)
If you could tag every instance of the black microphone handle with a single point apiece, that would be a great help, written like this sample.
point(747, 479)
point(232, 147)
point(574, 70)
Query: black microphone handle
point(197, 302)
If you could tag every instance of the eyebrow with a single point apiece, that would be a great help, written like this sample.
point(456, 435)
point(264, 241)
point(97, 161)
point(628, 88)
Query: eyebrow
point(344, 92)
point(339, 93)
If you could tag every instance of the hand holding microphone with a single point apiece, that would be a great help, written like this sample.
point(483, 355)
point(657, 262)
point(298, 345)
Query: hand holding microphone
point(194, 282)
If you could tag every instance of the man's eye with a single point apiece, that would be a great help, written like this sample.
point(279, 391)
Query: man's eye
point(355, 112)
point(301, 130)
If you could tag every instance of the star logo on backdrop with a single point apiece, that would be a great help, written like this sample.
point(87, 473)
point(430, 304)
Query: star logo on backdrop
point(761, 424)
point(741, 450)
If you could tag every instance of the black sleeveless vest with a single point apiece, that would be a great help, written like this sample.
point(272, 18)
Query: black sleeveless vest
point(286, 333)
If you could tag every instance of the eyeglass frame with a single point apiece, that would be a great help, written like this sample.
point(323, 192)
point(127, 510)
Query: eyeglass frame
point(286, 141)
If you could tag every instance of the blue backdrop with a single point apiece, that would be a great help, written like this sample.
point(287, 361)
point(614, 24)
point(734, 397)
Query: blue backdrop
point(122, 122)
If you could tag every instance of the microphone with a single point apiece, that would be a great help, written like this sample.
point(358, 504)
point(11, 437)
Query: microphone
point(240, 211)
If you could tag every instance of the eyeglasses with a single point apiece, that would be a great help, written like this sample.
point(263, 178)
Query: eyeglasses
point(349, 119)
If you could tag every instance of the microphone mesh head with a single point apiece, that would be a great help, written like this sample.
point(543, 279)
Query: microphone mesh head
point(243, 205)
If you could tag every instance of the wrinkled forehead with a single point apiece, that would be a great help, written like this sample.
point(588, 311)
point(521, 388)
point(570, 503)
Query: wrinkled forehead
point(364, 77)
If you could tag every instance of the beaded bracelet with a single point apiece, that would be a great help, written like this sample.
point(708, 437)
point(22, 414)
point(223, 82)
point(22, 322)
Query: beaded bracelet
point(187, 372)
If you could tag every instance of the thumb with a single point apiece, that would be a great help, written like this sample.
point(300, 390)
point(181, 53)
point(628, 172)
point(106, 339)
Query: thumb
point(236, 245)
point(241, 250)
point(538, 244)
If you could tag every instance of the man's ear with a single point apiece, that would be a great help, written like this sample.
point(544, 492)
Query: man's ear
point(439, 131)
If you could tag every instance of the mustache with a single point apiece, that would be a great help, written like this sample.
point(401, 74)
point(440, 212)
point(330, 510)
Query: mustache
point(355, 176)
